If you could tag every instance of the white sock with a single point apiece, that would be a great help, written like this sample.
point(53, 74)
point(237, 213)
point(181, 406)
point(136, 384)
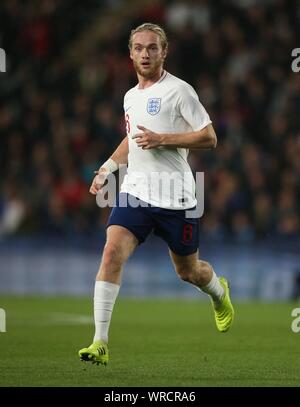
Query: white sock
point(105, 295)
point(213, 288)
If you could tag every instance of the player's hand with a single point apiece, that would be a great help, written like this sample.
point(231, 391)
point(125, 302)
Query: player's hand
point(98, 181)
point(148, 139)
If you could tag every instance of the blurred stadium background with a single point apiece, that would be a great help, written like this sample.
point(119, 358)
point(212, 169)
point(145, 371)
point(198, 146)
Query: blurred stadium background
point(61, 116)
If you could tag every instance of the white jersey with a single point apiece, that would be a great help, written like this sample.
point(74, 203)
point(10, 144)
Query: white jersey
point(162, 176)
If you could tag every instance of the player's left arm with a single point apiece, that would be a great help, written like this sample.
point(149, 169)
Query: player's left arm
point(204, 138)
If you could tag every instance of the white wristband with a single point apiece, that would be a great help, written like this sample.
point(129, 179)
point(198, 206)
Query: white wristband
point(110, 165)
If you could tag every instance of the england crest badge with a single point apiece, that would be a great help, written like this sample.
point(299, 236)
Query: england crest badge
point(153, 105)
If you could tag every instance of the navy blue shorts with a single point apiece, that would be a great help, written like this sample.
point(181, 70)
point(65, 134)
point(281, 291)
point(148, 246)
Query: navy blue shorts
point(180, 233)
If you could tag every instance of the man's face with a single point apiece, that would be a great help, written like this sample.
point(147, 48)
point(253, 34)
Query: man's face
point(147, 53)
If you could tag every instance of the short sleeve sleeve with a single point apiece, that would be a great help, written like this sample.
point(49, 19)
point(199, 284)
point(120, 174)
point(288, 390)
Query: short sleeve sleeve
point(190, 108)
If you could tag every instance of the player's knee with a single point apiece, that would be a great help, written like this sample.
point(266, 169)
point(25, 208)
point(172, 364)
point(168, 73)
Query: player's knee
point(111, 255)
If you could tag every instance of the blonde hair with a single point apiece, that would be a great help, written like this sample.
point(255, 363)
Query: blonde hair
point(155, 29)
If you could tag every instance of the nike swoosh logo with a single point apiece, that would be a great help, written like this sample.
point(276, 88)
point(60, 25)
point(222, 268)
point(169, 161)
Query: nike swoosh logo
point(126, 110)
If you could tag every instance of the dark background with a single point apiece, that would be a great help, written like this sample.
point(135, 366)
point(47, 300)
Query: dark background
point(61, 113)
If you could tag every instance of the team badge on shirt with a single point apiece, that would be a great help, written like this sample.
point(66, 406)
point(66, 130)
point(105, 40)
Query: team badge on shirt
point(153, 106)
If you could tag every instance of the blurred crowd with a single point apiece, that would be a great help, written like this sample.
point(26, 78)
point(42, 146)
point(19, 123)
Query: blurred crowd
point(60, 117)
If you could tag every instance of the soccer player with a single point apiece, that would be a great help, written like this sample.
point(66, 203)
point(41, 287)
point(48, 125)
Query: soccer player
point(164, 119)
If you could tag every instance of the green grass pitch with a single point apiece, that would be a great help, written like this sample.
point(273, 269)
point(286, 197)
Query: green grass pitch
point(152, 343)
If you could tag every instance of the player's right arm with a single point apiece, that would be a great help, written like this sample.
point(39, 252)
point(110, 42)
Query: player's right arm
point(120, 156)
